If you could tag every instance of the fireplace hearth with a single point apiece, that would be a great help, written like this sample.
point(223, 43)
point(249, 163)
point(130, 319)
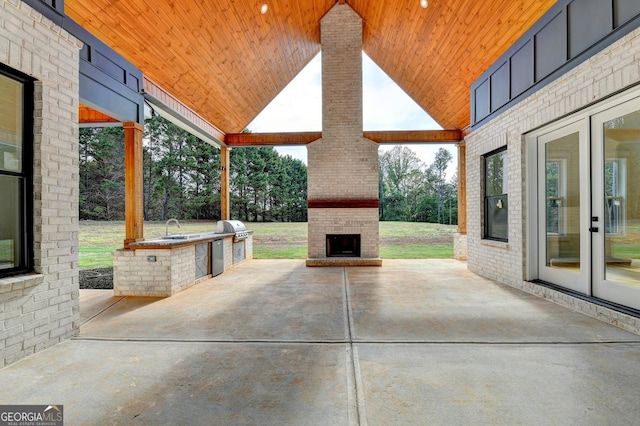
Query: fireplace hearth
point(343, 245)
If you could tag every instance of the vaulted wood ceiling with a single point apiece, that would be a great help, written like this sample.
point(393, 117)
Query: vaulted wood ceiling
point(227, 61)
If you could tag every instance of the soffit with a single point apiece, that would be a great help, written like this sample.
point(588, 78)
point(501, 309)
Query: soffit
point(227, 61)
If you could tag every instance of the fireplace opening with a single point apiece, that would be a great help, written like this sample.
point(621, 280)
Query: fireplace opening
point(343, 245)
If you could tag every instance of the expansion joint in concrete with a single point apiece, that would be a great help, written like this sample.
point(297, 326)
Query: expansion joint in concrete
point(353, 353)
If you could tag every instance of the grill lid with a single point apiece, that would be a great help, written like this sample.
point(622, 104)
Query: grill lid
point(229, 227)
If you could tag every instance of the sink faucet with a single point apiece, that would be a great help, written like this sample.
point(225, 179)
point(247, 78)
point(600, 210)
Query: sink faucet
point(167, 225)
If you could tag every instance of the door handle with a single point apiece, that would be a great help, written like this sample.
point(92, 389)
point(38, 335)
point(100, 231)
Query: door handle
point(593, 229)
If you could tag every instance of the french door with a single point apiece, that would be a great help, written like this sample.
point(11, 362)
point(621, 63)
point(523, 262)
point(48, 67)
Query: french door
point(563, 207)
point(588, 204)
point(616, 204)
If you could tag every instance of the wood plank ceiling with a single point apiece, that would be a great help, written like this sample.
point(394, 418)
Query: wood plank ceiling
point(227, 61)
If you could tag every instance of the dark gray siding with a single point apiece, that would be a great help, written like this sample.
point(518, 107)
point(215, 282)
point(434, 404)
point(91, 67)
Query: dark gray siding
point(569, 33)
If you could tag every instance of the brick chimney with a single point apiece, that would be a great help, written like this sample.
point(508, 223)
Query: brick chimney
point(343, 165)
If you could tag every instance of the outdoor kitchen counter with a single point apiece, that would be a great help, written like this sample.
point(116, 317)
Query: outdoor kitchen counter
point(173, 241)
point(162, 267)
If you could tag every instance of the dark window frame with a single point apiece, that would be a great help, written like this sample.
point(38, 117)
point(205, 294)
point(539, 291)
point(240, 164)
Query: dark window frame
point(25, 263)
point(491, 199)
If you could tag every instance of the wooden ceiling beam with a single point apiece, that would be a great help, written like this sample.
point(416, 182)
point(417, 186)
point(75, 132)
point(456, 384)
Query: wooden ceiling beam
point(304, 138)
point(415, 136)
point(270, 139)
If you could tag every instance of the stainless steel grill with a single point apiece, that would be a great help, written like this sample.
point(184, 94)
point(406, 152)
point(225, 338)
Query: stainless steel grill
point(232, 227)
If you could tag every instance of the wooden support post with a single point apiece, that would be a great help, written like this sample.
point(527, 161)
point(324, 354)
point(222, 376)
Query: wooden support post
point(225, 206)
point(462, 188)
point(133, 183)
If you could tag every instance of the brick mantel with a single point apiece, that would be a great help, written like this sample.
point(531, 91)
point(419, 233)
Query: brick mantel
point(343, 204)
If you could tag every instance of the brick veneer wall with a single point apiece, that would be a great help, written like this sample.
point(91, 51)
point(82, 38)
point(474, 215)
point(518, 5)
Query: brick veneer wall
point(343, 164)
point(609, 71)
point(173, 271)
point(41, 309)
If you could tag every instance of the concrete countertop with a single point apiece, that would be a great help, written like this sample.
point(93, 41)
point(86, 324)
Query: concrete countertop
point(189, 239)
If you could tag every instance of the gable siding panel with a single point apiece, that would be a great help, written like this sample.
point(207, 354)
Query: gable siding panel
point(624, 11)
point(522, 66)
point(589, 21)
point(500, 86)
point(551, 47)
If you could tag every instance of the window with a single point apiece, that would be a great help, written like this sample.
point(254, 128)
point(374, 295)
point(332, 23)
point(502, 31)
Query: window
point(496, 206)
point(16, 208)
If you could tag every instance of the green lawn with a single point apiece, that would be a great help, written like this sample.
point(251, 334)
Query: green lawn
point(417, 252)
point(96, 257)
point(293, 252)
point(398, 240)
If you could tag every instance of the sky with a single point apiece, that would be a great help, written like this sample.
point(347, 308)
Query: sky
point(298, 108)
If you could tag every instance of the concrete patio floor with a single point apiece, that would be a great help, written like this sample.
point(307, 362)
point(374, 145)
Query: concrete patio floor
point(274, 342)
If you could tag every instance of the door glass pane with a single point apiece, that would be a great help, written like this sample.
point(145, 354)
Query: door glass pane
point(10, 125)
point(622, 199)
point(562, 189)
point(10, 222)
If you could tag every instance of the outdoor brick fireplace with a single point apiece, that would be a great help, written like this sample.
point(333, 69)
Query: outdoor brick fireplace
point(343, 165)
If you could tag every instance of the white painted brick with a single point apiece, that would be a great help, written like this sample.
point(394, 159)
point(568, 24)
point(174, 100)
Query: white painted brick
point(19, 320)
point(33, 45)
point(13, 349)
point(36, 324)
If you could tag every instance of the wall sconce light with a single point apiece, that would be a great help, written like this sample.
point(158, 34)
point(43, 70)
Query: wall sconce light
point(424, 4)
point(264, 8)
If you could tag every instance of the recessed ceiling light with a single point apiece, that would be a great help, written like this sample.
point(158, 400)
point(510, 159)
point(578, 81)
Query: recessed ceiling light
point(264, 8)
point(424, 3)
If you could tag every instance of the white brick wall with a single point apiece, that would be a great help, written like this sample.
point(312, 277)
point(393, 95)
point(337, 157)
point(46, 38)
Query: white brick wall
point(343, 164)
point(172, 271)
point(135, 275)
point(38, 311)
point(606, 73)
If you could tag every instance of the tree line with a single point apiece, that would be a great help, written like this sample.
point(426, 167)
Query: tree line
point(182, 179)
point(413, 191)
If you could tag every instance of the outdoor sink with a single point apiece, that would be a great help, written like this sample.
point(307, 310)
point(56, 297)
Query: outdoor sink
point(180, 237)
point(188, 236)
